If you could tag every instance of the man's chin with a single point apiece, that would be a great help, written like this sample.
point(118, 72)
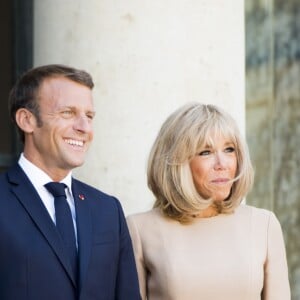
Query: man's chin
point(76, 164)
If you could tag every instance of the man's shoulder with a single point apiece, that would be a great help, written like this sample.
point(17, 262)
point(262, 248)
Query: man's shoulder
point(3, 179)
point(100, 203)
point(12, 174)
point(83, 188)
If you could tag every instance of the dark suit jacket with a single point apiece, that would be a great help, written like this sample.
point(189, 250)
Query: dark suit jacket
point(33, 265)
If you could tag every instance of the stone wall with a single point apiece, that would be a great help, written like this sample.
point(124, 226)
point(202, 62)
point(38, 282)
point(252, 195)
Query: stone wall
point(273, 116)
point(147, 58)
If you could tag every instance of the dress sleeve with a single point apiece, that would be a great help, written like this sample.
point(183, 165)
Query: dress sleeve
point(276, 282)
point(139, 255)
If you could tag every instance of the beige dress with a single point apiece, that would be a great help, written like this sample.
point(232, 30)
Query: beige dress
point(240, 256)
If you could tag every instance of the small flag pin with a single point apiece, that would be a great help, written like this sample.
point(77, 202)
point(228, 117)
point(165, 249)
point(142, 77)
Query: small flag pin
point(81, 197)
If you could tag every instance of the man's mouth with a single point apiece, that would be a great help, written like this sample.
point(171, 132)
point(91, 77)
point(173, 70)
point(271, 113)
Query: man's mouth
point(74, 142)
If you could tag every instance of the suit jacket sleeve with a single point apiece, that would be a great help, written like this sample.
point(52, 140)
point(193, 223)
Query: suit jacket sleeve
point(127, 281)
point(276, 283)
point(138, 254)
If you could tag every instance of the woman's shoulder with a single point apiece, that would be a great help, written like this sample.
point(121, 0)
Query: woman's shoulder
point(151, 221)
point(256, 213)
point(254, 209)
point(149, 225)
point(146, 216)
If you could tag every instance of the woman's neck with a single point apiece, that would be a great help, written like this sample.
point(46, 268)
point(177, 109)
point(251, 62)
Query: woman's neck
point(211, 211)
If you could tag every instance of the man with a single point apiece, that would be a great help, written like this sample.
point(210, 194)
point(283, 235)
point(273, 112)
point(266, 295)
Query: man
point(41, 257)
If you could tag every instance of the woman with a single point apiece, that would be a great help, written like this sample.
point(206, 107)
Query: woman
point(199, 241)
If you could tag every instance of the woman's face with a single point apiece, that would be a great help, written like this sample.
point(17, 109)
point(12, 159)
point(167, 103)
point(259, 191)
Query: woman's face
point(213, 169)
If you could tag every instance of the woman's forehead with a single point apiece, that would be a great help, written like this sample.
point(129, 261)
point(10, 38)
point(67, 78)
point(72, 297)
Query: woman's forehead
point(215, 136)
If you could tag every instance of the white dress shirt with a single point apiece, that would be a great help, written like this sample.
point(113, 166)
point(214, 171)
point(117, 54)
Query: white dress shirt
point(39, 178)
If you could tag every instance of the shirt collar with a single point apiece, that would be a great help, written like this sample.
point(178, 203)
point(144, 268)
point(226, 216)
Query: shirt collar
point(37, 176)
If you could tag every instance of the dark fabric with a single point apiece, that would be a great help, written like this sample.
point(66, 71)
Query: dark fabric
point(33, 260)
point(64, 221)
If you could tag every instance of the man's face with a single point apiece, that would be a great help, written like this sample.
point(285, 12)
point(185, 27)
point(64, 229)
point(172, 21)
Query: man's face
point(66, 113)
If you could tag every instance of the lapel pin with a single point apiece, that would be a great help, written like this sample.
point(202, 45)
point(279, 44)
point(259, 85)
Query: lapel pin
point(81, 197)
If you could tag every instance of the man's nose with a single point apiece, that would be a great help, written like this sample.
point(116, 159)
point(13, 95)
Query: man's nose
point(83, 124)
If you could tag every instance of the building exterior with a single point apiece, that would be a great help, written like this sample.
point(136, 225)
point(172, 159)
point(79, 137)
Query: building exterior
point(149, 57)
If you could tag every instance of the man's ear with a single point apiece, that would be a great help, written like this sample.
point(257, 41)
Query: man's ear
point(25, 120)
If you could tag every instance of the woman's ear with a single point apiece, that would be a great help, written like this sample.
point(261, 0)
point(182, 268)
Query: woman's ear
point(25, 120)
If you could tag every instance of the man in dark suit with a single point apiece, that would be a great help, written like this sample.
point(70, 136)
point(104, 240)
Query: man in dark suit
point(66, 245)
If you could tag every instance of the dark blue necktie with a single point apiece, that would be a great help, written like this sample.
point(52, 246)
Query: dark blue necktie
point(64, 221)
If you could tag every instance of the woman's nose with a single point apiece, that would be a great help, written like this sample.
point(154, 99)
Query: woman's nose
point(220, 161)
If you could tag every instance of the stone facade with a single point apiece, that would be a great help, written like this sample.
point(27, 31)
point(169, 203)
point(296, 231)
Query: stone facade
point(273, 116)
point(147, 58)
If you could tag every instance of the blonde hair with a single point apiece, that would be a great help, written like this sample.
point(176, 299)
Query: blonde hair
point(185, 131)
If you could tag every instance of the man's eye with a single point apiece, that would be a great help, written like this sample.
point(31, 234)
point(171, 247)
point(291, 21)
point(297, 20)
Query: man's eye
point(204, 152)
point(90, 116)
point(67, 113)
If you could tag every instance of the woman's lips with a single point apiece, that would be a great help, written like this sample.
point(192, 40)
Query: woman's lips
point(220, 180)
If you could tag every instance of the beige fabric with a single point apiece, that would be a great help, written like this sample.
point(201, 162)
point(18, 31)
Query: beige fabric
point(240, 256)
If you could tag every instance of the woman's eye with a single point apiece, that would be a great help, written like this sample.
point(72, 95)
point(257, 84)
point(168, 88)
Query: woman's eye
point(229, 149)
point(204, 152)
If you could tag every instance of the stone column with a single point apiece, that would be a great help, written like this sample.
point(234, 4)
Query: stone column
point(273, 114)
point(147, 58)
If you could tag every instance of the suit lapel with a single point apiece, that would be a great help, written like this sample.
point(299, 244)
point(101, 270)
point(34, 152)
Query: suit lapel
point(29, 198)
point(84, 227)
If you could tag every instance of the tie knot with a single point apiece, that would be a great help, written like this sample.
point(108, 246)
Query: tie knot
point(57, 189)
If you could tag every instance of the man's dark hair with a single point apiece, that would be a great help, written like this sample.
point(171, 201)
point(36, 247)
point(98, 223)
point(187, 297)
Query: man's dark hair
point(25, 91)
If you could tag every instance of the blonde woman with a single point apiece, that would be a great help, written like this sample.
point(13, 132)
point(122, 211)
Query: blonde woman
point(199, 241)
